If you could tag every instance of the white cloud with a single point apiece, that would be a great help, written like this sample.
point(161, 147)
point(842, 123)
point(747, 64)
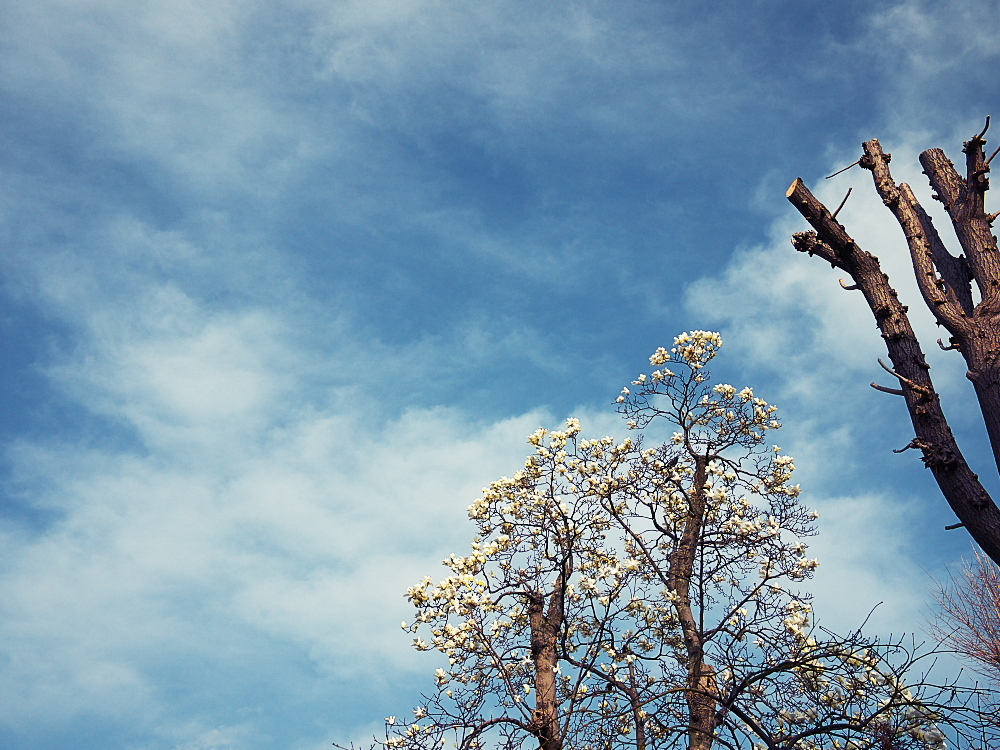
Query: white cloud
point(868, 562)
point(277, 489)
point(266, 495)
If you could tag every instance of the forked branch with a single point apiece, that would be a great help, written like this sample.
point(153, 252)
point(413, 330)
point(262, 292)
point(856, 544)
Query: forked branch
point(943, 281)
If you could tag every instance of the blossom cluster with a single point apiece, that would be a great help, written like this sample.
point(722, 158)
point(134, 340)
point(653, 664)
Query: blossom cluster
point(710, 419)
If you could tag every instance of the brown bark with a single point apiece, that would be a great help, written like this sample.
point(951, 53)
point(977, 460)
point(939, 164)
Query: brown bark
point(545, 629)
point(702, 692)
point(979, 339)
point(945, 285)
point(637, 710)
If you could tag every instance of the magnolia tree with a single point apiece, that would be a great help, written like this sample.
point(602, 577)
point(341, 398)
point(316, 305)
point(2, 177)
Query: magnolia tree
point(624, 596)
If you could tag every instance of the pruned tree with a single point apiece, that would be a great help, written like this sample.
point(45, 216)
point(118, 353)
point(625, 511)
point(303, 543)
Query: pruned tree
point(622, 596)
point(950, 285)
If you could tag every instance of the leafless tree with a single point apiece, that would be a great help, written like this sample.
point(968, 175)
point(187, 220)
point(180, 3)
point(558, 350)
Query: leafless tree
point(969, 616)
point(946, 285)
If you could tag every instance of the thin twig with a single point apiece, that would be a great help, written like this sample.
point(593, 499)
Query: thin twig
point(902, 378)
point(842, 170)
point(985, 128)
point(834, 214)
point(892, 391)
point(848, 287)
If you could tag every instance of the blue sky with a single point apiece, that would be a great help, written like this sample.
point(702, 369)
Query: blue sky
point(286, 283)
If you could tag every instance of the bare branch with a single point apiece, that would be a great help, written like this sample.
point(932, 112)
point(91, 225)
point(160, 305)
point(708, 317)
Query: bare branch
point(983, 131)
point(950, 302)
point(963, 199)
point(969, 619)
point(960, 486)
point(891, 391)
point(906, 381)
point(842, 203)
point(840, 171)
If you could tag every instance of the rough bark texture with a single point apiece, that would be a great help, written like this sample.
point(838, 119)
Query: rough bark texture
point(545, 629)
point(702, 693)
point(945, 283)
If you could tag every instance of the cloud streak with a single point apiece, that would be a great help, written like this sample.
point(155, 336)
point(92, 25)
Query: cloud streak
point(301, 277)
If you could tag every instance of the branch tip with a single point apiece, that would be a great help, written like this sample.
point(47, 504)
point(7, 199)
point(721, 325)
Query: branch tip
point(903, 379)
point(891, 391)
point(848, 287)
point(843, 170)
point(983, 132)
point(842, 203)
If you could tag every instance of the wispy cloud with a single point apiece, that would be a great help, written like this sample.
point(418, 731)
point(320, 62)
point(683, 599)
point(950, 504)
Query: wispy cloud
point(243, 531)
point(304, 275)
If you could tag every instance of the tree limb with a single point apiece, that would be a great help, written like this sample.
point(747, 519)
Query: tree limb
point(950, 299)
point(964, 201)
point(941, 454)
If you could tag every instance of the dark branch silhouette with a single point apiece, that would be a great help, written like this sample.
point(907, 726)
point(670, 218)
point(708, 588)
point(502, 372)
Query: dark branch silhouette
point(945, 281)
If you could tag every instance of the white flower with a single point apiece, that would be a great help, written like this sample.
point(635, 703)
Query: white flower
point(725, 390)
point(660, 356)
point(390, 720)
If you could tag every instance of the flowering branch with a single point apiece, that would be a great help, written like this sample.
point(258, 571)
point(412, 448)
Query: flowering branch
point(618, 596)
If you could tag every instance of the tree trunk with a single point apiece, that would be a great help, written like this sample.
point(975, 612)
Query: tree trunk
point(984, 372)
point(545, 629)
point(637, 710)
point(702, 693)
